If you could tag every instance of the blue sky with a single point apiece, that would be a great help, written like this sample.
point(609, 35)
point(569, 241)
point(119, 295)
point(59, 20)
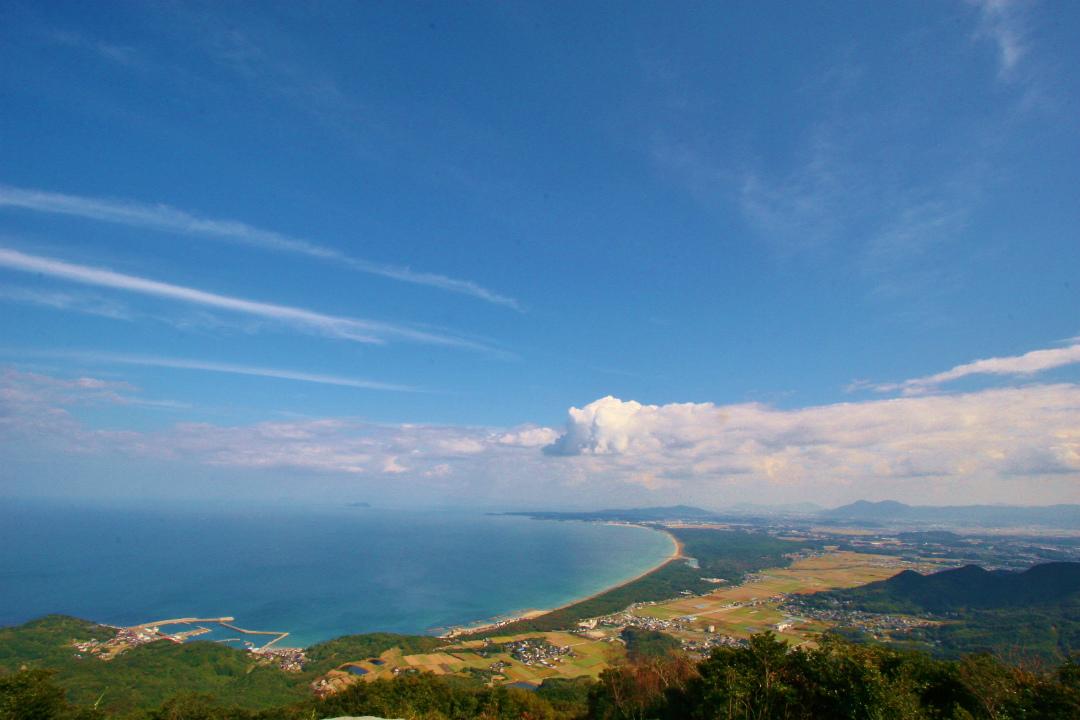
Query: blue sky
point(384, 251)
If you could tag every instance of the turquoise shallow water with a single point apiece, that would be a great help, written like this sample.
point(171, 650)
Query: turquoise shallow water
point(317, 574)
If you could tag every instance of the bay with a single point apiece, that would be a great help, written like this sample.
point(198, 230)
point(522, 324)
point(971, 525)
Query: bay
point(316, 573)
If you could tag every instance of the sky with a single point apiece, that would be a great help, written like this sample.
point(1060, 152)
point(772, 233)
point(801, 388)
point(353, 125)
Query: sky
point(524, 255)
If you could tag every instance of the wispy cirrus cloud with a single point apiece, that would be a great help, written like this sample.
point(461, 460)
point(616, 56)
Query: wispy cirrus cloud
point(1002, 22)
point(1030, 363)
point(229, 368)
point(87, 304)
point(346, 328)
point(121, 54)
point(165, 218)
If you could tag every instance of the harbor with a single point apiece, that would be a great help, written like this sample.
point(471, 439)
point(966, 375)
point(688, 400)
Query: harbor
point(131, 636)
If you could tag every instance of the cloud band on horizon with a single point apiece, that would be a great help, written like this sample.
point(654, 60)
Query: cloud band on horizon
point(983, 446)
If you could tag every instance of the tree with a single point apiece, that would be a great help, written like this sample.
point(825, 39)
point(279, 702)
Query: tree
point(32, 695)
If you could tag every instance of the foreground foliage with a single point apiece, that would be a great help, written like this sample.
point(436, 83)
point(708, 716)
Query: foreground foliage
point(765, 680)
point(836, 680)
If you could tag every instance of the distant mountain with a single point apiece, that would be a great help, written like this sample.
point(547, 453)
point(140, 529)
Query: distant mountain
point(802, 508)
point(862, 512)
point(653, 514)
point(890, 512)
point(966, 588)
point(866, 510)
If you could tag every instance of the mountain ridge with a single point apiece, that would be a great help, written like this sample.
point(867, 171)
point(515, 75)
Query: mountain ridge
point(970, 587)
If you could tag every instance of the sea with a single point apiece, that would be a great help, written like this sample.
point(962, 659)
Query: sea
point(314, 572)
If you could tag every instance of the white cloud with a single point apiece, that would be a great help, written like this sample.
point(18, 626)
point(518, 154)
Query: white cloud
point(815, 202)
point(121, 54)
point(529, 436)
point(45, 397)
point(1001, 445)
point(458, 445)
point(169, 219)
point(230, 368)
point(610, 426)
point(76, 302)
point(366, 331)
point(963, 446)
point(1002, 23)
point(1030, 363)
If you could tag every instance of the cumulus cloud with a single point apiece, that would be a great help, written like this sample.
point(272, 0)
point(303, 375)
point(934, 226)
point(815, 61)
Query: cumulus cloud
point(610, 426)
point(974, 441)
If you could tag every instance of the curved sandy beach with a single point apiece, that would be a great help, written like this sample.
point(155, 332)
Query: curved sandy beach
point(676, 554)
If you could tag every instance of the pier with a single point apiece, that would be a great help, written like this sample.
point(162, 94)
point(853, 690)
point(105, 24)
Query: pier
point(225, 621)
point(280, 635)
point(181, 621)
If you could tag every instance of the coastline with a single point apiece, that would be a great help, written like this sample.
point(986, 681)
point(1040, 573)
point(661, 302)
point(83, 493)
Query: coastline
point(575, 563)
point(531, 613)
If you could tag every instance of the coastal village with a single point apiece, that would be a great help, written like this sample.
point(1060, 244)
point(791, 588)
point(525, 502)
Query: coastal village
point(126, 638)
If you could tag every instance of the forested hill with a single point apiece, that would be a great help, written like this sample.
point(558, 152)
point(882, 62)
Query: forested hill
point(1034, 614)
point(966, 588)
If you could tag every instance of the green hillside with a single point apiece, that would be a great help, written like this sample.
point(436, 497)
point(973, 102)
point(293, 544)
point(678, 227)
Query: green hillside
point(1016, 615)
point(146, 676)
point(967, 588)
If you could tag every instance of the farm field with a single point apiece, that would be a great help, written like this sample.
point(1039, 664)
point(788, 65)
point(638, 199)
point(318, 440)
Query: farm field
point(735, 612)
point(753, 607)
point(589, 657)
